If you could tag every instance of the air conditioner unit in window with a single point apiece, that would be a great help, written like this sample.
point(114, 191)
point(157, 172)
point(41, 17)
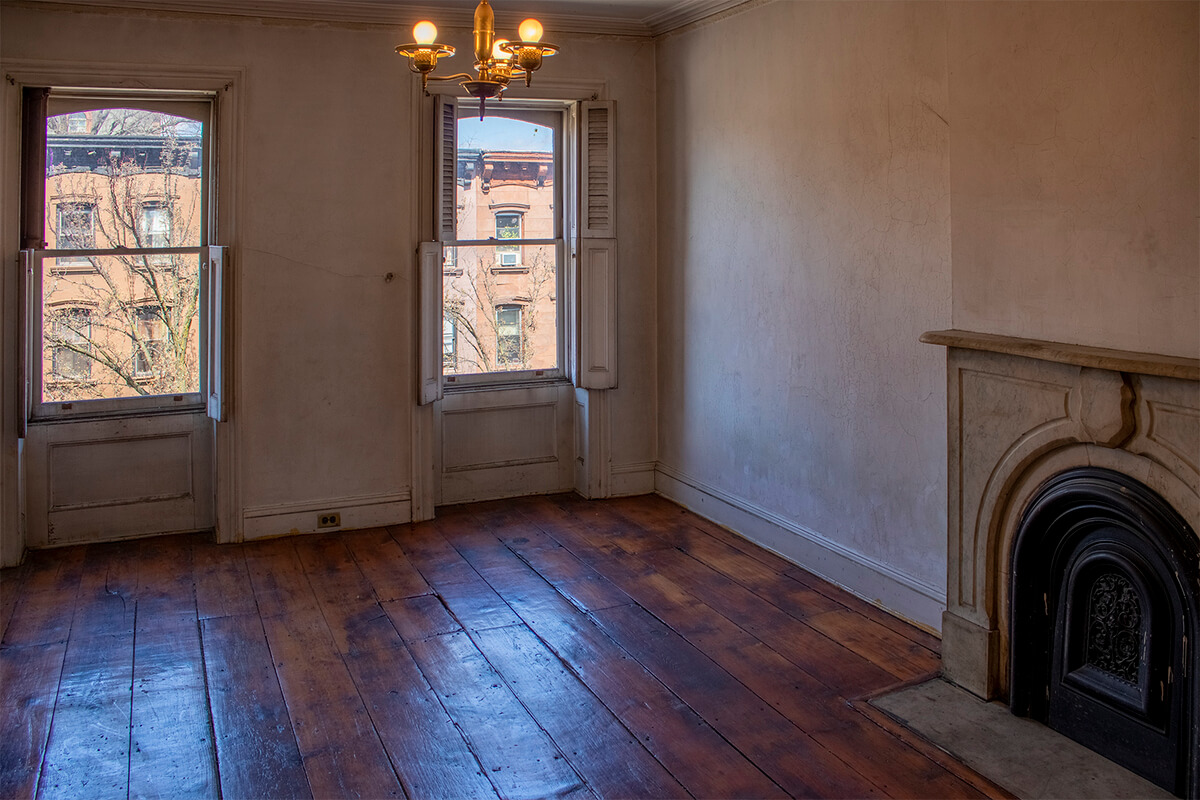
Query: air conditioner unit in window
point(508, 259)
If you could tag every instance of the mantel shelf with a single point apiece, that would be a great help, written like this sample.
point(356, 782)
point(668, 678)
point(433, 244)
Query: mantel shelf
point(1077, 354)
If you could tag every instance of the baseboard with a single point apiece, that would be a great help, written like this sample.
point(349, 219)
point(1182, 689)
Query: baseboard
point(363, 511)
point(631, 479)
point(875, 582)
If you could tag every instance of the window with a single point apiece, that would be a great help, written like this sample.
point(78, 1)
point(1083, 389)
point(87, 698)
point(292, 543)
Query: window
point(506, 188)
point(508, 226)
point(148, 344)
point(501, 217)
point(75, 229)
point(508, 335)
point(155, 224)
point(70, 348)
point(77, 123)
point(140, 210)
point(449, 342)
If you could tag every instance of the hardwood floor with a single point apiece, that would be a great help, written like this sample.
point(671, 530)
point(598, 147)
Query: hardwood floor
point(541, 647)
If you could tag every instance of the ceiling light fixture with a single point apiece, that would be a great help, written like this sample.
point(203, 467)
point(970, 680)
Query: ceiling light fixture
point(497, 61)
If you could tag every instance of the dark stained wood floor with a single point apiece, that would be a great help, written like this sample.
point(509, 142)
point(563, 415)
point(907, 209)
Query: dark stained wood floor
point(534, 648)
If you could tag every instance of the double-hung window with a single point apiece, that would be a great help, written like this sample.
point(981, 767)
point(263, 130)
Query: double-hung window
point(123, 294)
point(504, 233)
point(525, 301)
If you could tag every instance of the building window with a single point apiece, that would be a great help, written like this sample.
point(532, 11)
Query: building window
point(77, 123)
point(75, 229)
point(70, 345)
point(154, 226)
point(148, 345)
point(508, 226)
point(508, 335)
point(449, 343)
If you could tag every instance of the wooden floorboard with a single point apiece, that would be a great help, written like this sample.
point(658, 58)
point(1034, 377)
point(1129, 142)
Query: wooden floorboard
point(537, 647)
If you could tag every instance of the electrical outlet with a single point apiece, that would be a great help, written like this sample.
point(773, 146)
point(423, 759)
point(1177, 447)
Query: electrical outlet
point(330, 519)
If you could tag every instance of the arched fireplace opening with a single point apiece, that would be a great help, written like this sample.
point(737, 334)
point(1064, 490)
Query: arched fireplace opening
point(1105, 624)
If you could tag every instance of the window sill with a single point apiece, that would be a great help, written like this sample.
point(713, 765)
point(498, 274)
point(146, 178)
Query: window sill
point(113, 408)
point(492, 382)
point(509, 270)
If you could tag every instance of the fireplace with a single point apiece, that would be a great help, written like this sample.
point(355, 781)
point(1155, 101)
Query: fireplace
point(1073, 557)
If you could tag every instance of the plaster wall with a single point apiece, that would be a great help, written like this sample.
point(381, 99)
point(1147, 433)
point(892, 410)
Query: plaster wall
point(1027, 169)
point(804, 246)
point(1074, 172)
point(325, 209)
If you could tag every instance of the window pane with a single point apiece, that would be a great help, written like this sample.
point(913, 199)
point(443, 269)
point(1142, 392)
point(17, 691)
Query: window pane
point(122, 177)
point(503, 319)
point(506, 178)
point(127, 326)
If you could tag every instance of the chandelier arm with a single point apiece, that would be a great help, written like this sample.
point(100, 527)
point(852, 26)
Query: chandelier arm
point(460, 76)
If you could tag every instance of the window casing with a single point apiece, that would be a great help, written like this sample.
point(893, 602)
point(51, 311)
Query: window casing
point(132, 214)
point(582, 173)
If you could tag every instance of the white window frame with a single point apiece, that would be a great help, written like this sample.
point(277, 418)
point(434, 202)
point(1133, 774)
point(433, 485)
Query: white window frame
point(209, 395)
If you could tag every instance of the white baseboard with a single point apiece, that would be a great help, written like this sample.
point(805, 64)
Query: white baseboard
point(873, 581)
point(363, 511)
point(631, 479)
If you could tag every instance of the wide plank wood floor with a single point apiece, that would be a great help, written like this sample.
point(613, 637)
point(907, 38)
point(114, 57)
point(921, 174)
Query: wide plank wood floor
point(533, 648)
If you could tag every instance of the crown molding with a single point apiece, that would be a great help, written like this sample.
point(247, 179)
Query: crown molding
point(363, 12)
point(686, 12)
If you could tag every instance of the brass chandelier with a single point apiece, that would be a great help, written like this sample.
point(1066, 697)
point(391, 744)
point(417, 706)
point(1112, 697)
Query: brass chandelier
point(497, 61)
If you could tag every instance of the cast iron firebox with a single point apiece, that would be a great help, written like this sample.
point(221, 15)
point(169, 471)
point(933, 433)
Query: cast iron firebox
point(1104, 623)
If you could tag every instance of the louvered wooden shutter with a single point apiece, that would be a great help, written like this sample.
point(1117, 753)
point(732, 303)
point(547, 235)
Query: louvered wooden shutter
point(446, 173)
point(598, 170)
point(597, 366)
point(429, 338)
point(214, 263)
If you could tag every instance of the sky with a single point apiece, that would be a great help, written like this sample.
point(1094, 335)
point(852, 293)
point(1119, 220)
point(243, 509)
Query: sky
point(501, 133)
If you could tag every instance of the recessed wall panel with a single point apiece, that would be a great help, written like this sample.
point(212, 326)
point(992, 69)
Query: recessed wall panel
point(117, 472)
point(493, 437)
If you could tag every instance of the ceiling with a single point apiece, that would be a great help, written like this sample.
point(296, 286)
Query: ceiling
point(621, 17)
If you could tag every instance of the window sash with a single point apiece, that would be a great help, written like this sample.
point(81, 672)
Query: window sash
point(187, 401)
point(445, 175)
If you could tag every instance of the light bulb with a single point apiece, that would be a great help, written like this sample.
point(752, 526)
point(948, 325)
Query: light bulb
point(498, 53)
point(530, 30)
point(425, 32)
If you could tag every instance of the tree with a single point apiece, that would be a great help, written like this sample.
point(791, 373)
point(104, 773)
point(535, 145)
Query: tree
point(116, 323)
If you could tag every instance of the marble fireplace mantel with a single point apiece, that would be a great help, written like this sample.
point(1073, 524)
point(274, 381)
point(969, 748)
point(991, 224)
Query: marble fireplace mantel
point(1021, 411)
